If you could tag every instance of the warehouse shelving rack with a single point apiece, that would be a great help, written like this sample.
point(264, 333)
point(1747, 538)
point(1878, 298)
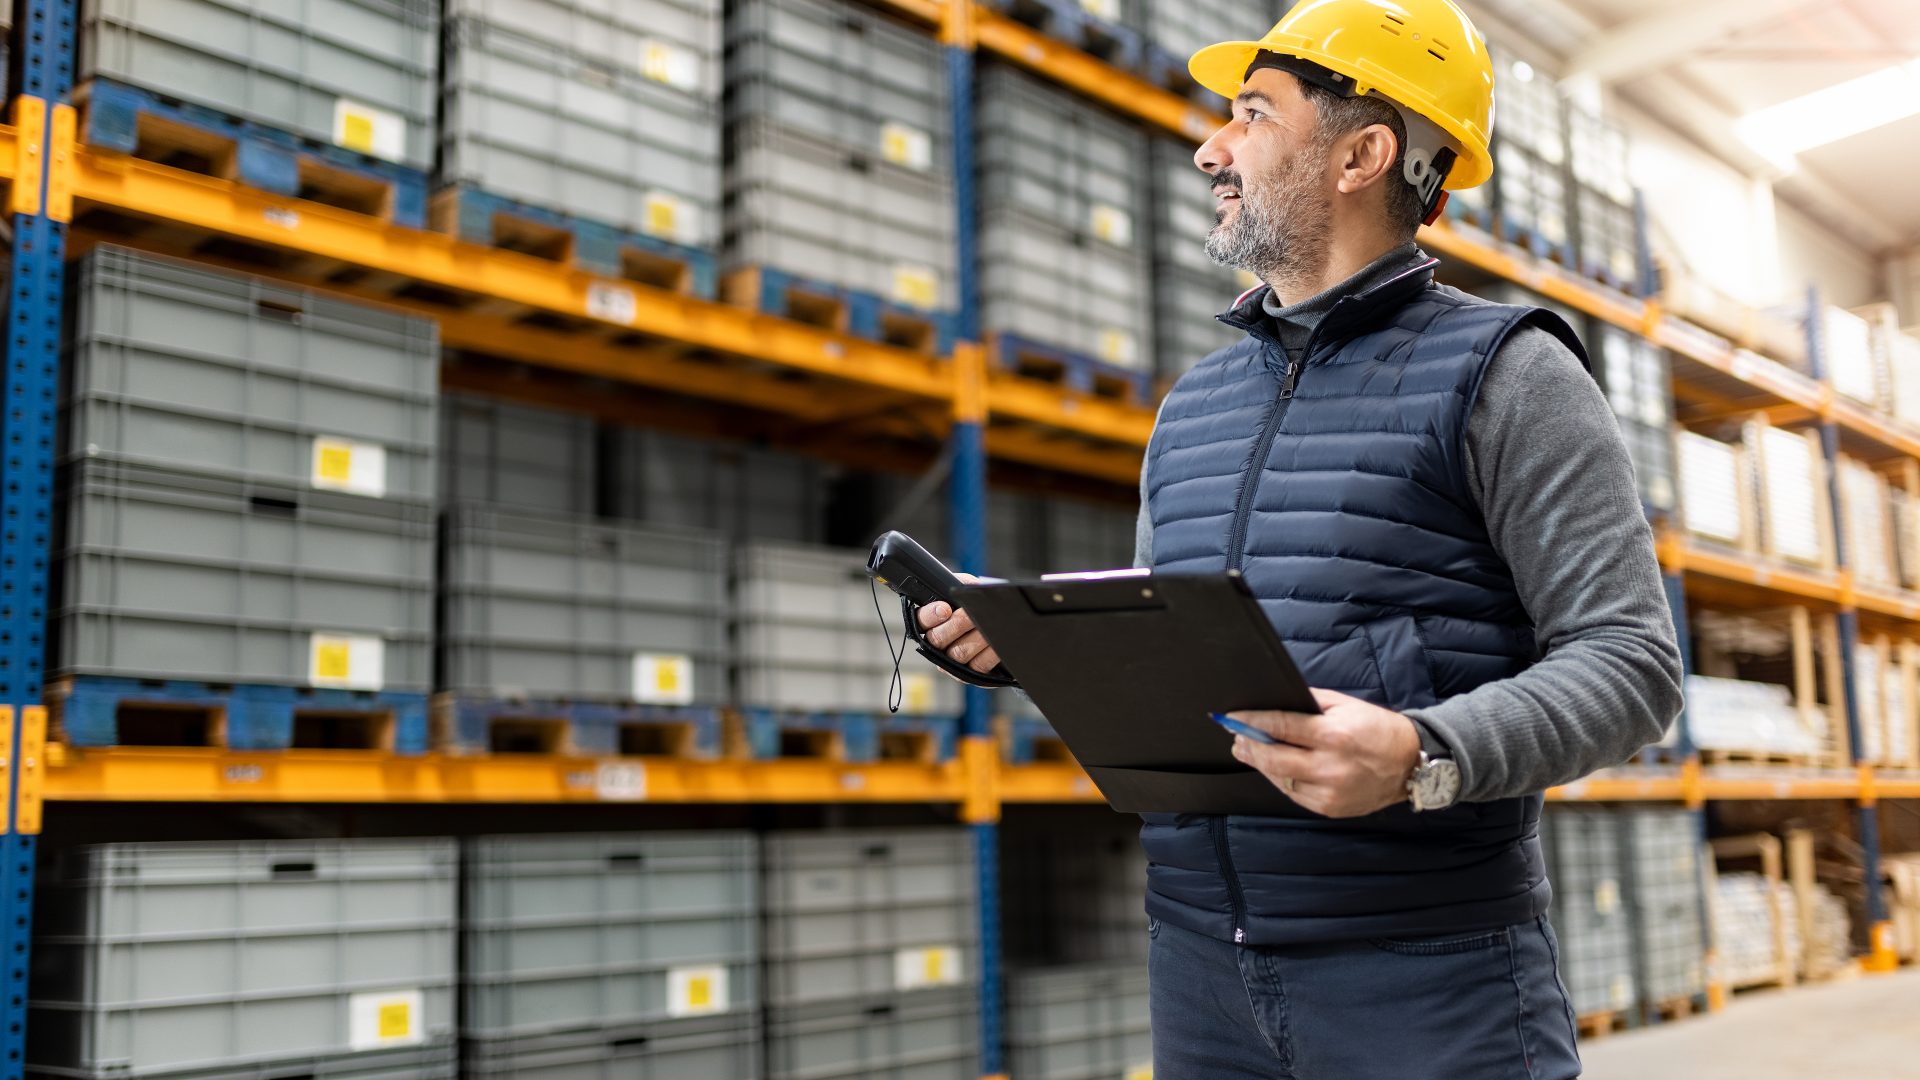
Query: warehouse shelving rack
point(657, 340)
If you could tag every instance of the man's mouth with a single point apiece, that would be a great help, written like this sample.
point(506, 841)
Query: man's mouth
point(1226, 195)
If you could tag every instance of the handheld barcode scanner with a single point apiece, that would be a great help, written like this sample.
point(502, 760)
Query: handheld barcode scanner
point(919, 579)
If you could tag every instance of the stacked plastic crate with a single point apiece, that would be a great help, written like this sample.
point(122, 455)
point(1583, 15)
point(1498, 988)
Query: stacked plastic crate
point(1637, 377)
point(1173, 30)
point(1189, 288)
point(604, 957)
point(1590, 908)
point(740, 491)
point(331, 100)
point(586, 131)
point(872, 967)
point(233, 961)
point(249, 476)
point(1662, 859)
point(840, 165)
point(1607, 245)
point(1063, 236)
point(522, 457)
point(1853, 365)
point(1530, 163)
point(1080, 1023)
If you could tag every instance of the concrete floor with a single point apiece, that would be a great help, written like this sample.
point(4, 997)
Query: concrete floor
point(1867, 1028)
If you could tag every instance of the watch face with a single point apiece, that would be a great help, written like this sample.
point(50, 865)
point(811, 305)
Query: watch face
point(1436, 786)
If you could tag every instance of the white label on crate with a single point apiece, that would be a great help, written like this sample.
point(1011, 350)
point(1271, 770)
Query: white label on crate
point(696, 991)
point(612, 303)
point(1620, 991)
point(667, 63)
point(917, 969)
point(620, 782)
point(369, 130)
point(1606, 897)
point(915, 286)
point(663, 678)
point(1101, 9)
point(668, 216)
point(344, 465)
point(1112, 224)
point(1142, 1071)
point(906, 145)
point(916, 692)
point(1118, 347)
point(347, 661)
point(386, 1018)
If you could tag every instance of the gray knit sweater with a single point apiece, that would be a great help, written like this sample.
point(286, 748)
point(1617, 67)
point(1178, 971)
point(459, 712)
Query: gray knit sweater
point(1551, 475)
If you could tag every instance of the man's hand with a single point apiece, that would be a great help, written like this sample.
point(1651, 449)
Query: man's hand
point(951, 631)
point(1352, 759)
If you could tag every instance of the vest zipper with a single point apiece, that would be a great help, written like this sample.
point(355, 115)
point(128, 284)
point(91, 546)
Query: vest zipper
point(1218, 827)
point(1243, 501)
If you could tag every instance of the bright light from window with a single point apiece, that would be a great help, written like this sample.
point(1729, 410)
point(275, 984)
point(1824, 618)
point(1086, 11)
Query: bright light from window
point(1832, 113)
point(1522, 71)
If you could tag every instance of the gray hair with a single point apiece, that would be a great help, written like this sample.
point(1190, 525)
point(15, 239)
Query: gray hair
point(1340, 115)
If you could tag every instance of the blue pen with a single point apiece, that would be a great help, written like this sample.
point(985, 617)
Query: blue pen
point(1239, 728)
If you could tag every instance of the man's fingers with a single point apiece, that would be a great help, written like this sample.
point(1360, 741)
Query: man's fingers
point(1290, 727)
point(947, 633)
point(934, 614)
point(968, 647)
point(986, 661)
point(1278, 761)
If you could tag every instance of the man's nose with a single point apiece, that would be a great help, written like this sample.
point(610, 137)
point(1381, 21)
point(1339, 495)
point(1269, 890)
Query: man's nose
point(1212, 155)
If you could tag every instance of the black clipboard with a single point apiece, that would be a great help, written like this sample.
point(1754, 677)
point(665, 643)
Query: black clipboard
point(1127, 668)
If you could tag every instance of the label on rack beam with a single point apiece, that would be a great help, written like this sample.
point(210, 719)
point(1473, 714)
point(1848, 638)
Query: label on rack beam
point(663, 678)
point(696, 991)
point(915, 286)
point(917, 969)
point(620, 781)
point(368, 130)
point(344, 465)
point(906, 145)
point(1111, 225)
point(386, 1018)
point(347, 661)
point(612, 303)
point(666, 63)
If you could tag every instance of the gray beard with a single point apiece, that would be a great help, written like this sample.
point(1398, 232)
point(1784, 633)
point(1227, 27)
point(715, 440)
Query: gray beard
point(1282, 232)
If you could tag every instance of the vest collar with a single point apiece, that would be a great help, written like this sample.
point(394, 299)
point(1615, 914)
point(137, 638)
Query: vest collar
point(1350, 315)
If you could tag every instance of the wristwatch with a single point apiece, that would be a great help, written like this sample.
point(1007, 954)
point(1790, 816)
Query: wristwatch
point(1434, 783)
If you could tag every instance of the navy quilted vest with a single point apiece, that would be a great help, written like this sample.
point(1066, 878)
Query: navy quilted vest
point(1341, 493)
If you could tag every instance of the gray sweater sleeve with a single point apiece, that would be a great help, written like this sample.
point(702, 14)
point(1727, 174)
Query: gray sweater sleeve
point(1551, 474)
point(1552, 477)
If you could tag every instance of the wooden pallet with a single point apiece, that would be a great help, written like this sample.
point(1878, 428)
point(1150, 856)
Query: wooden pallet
point(1761, 757)
point(109, 711)
point(468, 725)
point(1540, 247)
point(490, 220)
point(182, 135)
point(1072, 370)
point(840, 310)
point(771, 735)
point(1598, 1025)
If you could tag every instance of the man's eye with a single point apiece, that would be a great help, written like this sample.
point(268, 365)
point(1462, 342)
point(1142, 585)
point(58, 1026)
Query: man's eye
point(1254, 114)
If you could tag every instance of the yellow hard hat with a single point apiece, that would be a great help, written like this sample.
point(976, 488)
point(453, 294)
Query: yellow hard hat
point(1425, 55)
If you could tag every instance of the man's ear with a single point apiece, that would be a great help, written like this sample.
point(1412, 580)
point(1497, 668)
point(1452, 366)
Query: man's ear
point(1369, 156)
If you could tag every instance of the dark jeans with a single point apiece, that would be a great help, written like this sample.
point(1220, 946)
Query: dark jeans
point(1484, 1006)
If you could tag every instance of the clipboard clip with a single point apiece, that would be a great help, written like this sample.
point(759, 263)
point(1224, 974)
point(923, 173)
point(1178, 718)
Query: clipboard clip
point(908, 569)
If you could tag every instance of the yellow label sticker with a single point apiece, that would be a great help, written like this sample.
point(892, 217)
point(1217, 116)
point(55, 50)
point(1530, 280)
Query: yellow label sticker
point(666, 679)
point(396, 1019)
point(916, 692)
point(906, 146)
point(916, 969)
point(335, 462)
point(662, 214)
point(1112, 225)
point(1101, 9)
point(1606, 897)
point(1117, 347)
point(332, 659)
point(662, 679)
point(1139, 1072)
point(671, 65)
point(935, 967)
point(696, 991)
point(916, 286)
point(368, 129)
point(700, 992)
point(356, 131)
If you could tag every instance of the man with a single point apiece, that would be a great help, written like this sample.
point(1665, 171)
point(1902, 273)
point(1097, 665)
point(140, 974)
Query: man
point(1431, 499)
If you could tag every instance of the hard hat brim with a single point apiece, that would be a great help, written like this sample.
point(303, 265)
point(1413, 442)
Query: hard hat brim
point(1222, 68)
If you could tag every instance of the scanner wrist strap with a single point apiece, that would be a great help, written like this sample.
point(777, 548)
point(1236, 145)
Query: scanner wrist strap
point(994, 680)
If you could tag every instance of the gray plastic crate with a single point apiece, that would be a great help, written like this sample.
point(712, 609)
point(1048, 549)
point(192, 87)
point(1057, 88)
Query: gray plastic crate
point(1087, 536)
point(1609, 239)
point(518, 456)
point(721, 1047)
point(1080, 1023)
point(1590, 913)
point(181, 577)
point(1074, 895)
point(571, 933)
point(289, 66)
point(1057, 157)
point(547, 606)
point(1189, 288)
point(676, 42)
point(930, 1036)
point(438, 1060)
point(1043, 282)
point(153, 959)
point(188, 368)
point(844, 76)
point(1185, 328)
point(738, 491)
point(853, 220)
point(1664, 890)
point(1184, 27)
point(527, 119)
point(1533, 200)
point(860, 914)
point(807, 637)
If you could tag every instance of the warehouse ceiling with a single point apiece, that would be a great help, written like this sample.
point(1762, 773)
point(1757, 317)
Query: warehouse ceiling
point(1701, 66)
